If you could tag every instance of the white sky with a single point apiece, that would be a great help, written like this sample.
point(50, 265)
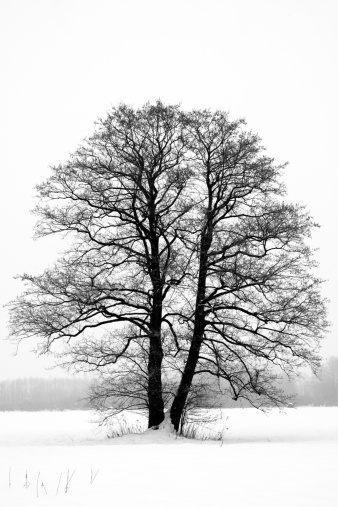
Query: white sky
point(65, 62)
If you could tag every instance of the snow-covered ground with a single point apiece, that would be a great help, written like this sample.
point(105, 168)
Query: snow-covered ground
point(285, 458)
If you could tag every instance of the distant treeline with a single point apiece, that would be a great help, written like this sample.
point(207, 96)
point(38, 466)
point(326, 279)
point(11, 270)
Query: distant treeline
point(319, 391)
point(71, 393)
point(307, 390)
point(44, 394)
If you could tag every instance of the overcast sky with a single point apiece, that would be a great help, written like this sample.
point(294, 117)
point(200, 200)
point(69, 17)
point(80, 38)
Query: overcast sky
point(66, 62)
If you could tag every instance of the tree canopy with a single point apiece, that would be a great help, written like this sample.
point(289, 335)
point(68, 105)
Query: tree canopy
point(187, 263)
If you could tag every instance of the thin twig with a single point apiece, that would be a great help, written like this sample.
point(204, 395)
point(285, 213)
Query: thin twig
point(26, 481)
point(92, 479)
point(37, 485)
point(68, 480)
point(57, 490)
point(43, 486)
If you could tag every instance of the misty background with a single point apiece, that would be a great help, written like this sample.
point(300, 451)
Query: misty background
point(34, 393)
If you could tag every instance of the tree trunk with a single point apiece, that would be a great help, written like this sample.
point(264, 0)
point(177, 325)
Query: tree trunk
point(155, 399)
point(197, 338)
point(196, 342)
point(155, 396)
point(185, 384)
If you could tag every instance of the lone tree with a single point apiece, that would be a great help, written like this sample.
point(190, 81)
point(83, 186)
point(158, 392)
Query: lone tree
point(184, 253)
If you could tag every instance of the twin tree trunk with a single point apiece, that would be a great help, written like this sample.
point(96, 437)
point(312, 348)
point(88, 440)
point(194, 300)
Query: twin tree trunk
point(155, 398)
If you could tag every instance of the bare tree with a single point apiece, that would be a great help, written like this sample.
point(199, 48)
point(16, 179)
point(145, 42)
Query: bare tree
point(254, 303)
point(122, 195)
point(185, 253)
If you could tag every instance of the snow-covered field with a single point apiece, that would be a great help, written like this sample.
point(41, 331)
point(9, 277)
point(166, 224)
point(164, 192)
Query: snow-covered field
point(285, 458)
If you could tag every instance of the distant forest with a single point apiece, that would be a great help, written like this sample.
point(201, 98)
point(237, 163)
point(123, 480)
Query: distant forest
point(322, 391)
point(44, 394)
point(310, 390)
point(70, 393)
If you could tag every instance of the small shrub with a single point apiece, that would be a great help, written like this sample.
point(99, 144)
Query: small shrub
point(121, 426)
point(198, 431)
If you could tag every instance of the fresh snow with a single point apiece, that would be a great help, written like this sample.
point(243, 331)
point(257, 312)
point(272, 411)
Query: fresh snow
point(284, 458)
